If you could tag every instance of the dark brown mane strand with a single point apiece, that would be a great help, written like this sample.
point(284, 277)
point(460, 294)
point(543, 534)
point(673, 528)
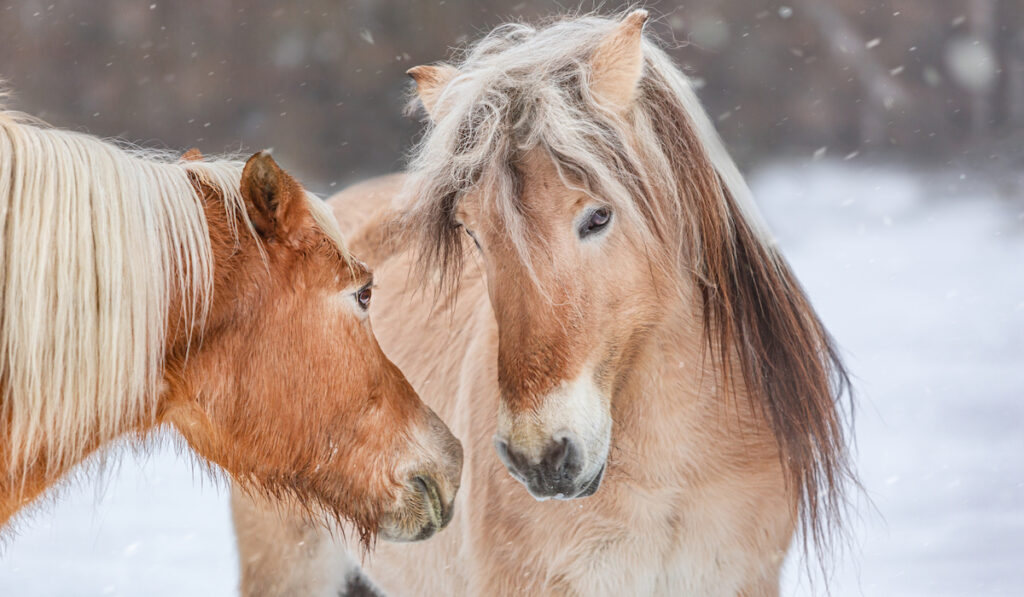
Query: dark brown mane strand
point(758, 316)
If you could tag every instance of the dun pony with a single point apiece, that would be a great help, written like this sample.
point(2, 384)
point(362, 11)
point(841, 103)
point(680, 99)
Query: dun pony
point(659, 163)
point(623, 330)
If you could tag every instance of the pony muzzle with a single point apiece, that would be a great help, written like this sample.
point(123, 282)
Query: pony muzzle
point(427, 503)
point(559, 472)
point(558, 449)
point(438, 509)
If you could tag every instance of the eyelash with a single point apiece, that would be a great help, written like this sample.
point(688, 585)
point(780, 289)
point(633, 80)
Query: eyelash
point(473, 236)
point(368, 289)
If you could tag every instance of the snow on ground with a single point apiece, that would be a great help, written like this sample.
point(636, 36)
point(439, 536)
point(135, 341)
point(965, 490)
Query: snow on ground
point(924, 290)
point(156, 526)
point(922, 287)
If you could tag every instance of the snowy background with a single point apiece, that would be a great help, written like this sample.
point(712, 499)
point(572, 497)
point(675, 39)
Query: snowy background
point(920, 276)
point(900, 206)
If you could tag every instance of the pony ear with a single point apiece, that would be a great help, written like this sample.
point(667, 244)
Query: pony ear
point(430, 81)
point(273, 199)
point(192, 155)
point(618, 62)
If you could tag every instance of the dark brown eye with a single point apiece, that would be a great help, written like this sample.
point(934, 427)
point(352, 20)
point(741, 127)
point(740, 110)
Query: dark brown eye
point(596, 221)
point(363, 297)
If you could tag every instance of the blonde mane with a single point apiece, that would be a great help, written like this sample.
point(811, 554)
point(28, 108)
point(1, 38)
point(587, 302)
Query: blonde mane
point(663, 167)
point(96, 241)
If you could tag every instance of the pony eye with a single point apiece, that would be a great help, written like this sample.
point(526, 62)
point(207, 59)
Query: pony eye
point(363, 297)
point(595, 222)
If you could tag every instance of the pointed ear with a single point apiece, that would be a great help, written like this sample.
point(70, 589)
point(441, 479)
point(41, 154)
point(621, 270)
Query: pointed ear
point(274, 200)
point(618, 62)
point(430, 82)
point(192, 155)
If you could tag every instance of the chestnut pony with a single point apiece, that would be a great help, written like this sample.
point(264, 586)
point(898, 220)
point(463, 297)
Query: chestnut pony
point(616, 318)
point(138, 290)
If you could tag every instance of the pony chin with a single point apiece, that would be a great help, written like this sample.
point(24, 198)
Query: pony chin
point(426, 504)
point(576, 415)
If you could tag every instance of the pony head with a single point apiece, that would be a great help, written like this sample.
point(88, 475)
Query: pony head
point(288, 390)
point(579, 162)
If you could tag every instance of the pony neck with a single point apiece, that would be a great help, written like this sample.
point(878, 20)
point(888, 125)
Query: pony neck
point(235, 254)
point(673, 414)
point(35, 473)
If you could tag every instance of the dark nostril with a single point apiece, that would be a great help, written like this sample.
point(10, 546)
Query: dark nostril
point(557, 454)
point(563, 457)
point(421, 486)
point(556, 469)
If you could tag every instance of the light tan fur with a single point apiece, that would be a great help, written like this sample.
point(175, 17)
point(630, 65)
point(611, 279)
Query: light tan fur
point(679, 324)
point(618, 62)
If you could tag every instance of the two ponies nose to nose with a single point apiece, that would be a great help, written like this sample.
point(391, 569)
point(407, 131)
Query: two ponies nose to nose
point(555, 474)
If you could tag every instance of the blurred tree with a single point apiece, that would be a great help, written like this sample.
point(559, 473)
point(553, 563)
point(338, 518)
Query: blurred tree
point(323, 81)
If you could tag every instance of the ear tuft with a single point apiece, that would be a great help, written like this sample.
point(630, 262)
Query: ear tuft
point(273, 198)
point(262, 175)
point(636, 19)
point(430, 82)
point(618, 63)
